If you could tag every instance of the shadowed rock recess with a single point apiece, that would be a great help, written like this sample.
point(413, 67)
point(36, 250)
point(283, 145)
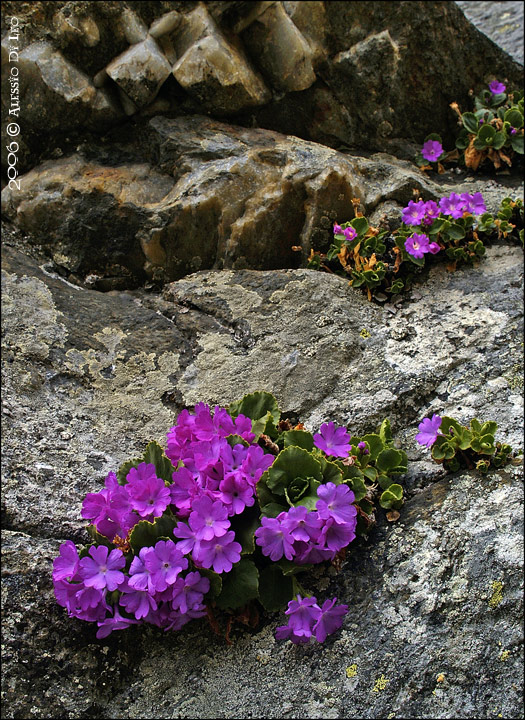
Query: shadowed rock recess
point(172, 153)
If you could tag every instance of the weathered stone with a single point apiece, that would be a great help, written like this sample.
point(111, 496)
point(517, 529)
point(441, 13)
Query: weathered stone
point(220, 197)
point(280, 50)
point(134, 29)
point(310, 18)
point(213, 70)
point(102, 374)
point(140, 71)
point(165, 24)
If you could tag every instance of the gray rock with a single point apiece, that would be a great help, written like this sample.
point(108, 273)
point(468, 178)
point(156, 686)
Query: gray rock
point(89, 378)
point(140, 71)
point(280, 50)
point(220, 196)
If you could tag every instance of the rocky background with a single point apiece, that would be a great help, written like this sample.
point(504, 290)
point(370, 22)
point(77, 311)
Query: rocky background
point(171, 153)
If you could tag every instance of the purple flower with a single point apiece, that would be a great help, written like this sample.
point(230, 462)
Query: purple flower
point(431, 212)
point(336, 535)
point(432, 150)
point(417, 245)
point(152, 497)
point(221, 553)
point(349, 233)
point(209, 519)
point(338, 230)
point(102, 571)
point(414, 213)
point(453, 205)
point(139, 575)
point(335, 501)
point(165, 564)
point(137, 602)
point(428, 431)
point(189, 541)
point(236, 493)
point(363, 447)
point(302, 615)
point(117, 622)
point(189, 592)
point(330, 619)
point(275, 539)
point(474, 203)
point(496, 87)
point(513, 131)
point(434, 248)
point(332, 441)
point(302, 524)
point(89, 598)
point(66, 564)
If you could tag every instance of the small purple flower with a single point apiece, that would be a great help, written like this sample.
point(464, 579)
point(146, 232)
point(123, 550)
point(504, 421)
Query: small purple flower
point(329, 620)
point(220, 553)
point(66, 564)
point(302, 615)
point(236, 493)
point(275, 539)
point(414, 213)
point(302, 524)
point(349, 233)
point(417, 245)
point(152, 497)
point(452, 205)
point(165, 564)
point(434, 248)
point(139, 575)
point(332, 441)
point(138, 602)
point(101, 570)
point(431, 212)
point(338, 230)
point(335, 501)
point(189, 592)
point(513, 131)
point(117, 622)
point(337, 535)
point(428, 431)
point(432, 150)
point(209, 519)
point(363, 447)
point(496, 88)
point(478, 204)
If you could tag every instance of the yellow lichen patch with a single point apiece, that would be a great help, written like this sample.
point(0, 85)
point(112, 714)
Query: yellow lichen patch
point(440, 678)
point(380, 683)
point(351, 671)
point(364, 333)
point(497, 594)
point(504, 656)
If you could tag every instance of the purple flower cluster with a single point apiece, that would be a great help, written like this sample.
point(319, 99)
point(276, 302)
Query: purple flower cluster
point(154, 590)
point(311, 536)
point(417, 213)
point(496, 87)
point(349, 232)
point(306, 619)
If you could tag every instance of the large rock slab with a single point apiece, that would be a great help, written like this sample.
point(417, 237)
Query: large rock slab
point(89, 378)
point(208, 195)
point(291, 67)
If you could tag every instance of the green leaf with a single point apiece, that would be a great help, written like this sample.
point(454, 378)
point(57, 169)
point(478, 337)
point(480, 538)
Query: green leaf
point(261, 407)
point(234, 440)
point(275, 589)
point(124, 469)
point(146, 534)
point(330, 471)
point(388, 459)
point(385, 432)
point(288, 567)
point(475, 426)
point(489, 428)
point(357, 486)
point(291, 463)
point(239, 586)
point(499, 140)
point(514, 117)
point(384, 481)
point(486, 134)
point(392, 497)
point(215, 582)
point(470, 122)
point(516, 142)
point(443, 449)
point(273, 509)
point(154, 454)
point(299, 438)
point(244, 526)
point(455, 231)
point(360, 225)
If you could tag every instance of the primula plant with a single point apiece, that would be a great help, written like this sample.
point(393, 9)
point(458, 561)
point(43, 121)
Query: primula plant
point(457, 446)
point(454, 229)
point(492, 135)
point(225, 519)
